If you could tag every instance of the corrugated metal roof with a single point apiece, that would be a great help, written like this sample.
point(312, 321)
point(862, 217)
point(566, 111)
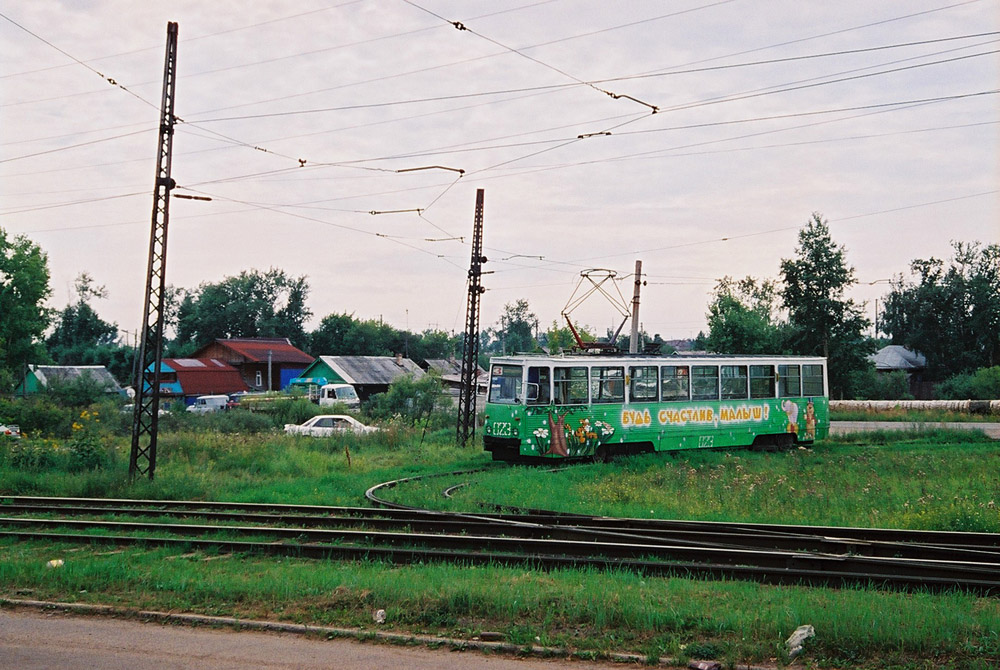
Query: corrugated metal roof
point(896, 357)
point(46, 374)
point(372, 369)
point(205, 376)
point(257, 349)
point(451, 369)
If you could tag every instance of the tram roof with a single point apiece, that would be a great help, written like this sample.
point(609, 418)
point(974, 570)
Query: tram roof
point(675, 358)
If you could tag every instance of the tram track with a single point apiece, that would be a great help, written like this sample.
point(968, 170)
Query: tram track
point(398, 534)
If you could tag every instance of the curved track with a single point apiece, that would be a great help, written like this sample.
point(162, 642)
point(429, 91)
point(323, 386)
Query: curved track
point(401, 534)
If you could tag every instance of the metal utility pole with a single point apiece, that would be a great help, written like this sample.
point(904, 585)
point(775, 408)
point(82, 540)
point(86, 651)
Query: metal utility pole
point(633, 342)
point(470, 352)
point(146, 412)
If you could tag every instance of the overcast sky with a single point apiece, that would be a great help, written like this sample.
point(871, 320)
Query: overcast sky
point(697, 136)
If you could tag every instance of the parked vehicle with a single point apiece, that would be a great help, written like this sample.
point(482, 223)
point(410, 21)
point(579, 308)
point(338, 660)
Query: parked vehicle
point(326, 425)
point(209, 403)
point(10, 430)
point(339, 394)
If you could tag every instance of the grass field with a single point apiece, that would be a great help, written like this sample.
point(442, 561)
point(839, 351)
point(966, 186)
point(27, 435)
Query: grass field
point(929, 480)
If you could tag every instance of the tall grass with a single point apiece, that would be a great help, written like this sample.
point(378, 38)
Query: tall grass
point(929, 481)
point(581, 609)
point(924, 484)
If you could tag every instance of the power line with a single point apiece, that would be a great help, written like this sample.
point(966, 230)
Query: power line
point(189, 39)
point(108, 79)
point(74, 146)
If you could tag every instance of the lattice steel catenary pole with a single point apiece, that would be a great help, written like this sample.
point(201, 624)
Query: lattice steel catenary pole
point(145, 413)
point(470, 350)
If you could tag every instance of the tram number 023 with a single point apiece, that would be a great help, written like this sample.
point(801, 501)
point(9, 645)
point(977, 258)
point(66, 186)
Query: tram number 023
point(503, 429)
point(706, 440)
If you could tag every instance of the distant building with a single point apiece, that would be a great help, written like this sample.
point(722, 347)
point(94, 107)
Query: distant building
point(450, 371)
point(367, 374)
point(40, 377)
point(188, 378)
point(896, 358)
point(265, 364)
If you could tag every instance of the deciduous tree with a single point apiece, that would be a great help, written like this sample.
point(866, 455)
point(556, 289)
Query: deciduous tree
point(81, 337)
point(514, 331)
point(251, 304)
point(825, 322)
point(24, 287)
point(950, 312)
point(743, 318)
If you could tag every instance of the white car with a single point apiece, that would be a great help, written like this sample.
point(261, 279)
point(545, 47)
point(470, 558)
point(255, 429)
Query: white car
point(326, 425)
point(10, 430)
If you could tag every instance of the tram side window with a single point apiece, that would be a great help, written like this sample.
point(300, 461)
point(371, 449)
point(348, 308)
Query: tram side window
point(570, 386)
point(505, 384)
point(607, 384)
point(789, 381)
point(704, 382)
point(812, 380)
point(734, 382)
point(643, 384)
point(761, 381)
point(675, 382)
point(539, 381)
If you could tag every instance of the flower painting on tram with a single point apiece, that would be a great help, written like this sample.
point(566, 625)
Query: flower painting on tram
point(562, 438)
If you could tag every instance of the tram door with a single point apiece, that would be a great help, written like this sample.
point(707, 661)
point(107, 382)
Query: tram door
point(539, 386)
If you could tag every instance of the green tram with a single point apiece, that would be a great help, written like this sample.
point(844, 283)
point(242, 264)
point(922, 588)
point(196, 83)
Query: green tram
point(588, 406)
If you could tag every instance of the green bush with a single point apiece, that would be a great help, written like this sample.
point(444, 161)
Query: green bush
point(869, 384)
point(238, 421)
point(411, 400)
point(78, 392)
point(31, 455)
point(38, 415)
point(85, 450)
point(984, 384)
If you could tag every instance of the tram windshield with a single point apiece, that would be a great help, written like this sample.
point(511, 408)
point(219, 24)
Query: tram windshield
point(505, 384)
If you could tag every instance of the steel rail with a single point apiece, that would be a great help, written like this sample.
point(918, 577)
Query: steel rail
point(970, 561)
point(986, 584)
point(461, 523)
point(860, 566)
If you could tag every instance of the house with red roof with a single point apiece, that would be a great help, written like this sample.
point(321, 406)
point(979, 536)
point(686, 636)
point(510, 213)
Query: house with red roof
point(264, 364)
point(188, 378)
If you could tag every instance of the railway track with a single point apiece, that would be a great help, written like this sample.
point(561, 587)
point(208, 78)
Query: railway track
point(536, 538)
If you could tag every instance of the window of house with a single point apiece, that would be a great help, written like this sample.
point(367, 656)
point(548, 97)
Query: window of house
point(259, 379)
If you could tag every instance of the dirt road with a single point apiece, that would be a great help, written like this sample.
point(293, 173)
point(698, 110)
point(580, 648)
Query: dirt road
point(33, 640)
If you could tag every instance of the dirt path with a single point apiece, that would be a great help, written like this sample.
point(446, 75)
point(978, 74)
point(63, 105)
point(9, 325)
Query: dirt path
point(33, 640)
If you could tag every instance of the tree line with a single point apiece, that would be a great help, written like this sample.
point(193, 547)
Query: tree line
point(948, 310)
